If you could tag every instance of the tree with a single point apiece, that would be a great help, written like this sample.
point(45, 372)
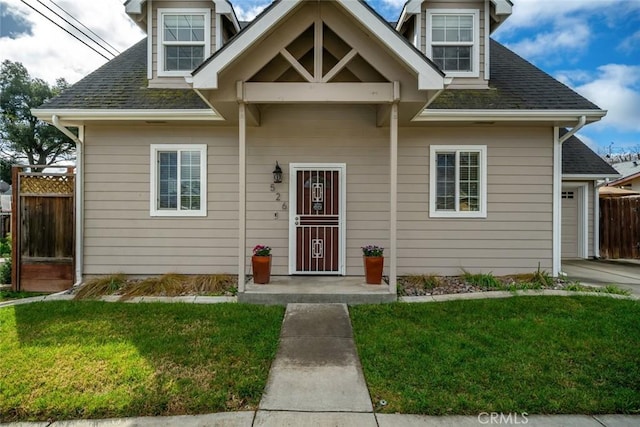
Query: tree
point(22, 136)
point(5, 170)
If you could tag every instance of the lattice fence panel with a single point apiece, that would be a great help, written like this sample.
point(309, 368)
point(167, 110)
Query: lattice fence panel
point(47, 184)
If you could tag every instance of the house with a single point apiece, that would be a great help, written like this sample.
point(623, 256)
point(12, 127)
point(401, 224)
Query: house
point(428, 138)
point(630, 179)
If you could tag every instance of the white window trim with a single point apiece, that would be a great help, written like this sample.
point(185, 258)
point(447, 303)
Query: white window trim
point(153, 201)
point(475, 59)
point(160, 37)
point(433, 212)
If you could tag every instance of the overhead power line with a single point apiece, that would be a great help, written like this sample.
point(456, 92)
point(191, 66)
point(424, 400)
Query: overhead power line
point(69, 32)
point(88, 29)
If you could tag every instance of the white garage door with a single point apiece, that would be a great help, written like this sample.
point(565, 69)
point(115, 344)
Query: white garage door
point(569, 223)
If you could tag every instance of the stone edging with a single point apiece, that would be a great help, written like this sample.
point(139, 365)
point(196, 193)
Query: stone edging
point(508, 294)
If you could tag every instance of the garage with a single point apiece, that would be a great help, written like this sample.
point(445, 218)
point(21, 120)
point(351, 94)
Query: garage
point(570, 229)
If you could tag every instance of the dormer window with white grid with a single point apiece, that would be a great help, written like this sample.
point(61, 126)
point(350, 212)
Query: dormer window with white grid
point(453, 41)
point(184, 40)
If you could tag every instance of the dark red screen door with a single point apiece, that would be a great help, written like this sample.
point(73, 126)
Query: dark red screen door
point(317, 221)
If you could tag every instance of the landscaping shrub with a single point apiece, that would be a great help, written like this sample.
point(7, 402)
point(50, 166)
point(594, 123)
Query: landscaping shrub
point(5, 272)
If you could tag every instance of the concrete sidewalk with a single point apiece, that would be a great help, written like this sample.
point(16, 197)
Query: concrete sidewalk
point(317, 380)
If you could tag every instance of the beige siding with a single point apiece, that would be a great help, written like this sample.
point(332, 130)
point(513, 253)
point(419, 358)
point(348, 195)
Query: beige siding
point(459, 82)
point(120, 235)
point(176, 4)
point(517, 233)
point(319, 134)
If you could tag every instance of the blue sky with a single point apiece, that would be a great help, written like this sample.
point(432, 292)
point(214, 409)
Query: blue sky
point(591, 45)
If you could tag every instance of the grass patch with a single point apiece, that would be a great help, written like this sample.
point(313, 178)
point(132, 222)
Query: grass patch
point(9, 295)
point(483, 280)
point(90, 359)
point(609, 289)
point(546, 355)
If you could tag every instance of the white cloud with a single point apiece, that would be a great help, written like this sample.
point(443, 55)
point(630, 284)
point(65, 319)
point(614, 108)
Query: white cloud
point(50, 53)
point(247, 11)
point(574, 36)
point(631, 43)
point(616, 88)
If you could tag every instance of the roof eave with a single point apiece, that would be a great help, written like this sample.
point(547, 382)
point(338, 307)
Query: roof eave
point(72, 117)
point(428, 115)
point(587, 177)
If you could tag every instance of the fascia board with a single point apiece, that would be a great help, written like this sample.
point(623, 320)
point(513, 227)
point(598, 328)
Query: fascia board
point(69, 116)
point(412, 7)
point(428, 77)
point(507, 115)
point(207, 76)
point(588, 177)
point(134, 7)
point(503, 7)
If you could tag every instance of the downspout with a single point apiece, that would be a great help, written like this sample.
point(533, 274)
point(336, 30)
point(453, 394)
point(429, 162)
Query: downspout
point(79, 193)
point(557, 196)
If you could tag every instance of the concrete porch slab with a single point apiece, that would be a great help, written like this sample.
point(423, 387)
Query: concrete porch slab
point(284, 290)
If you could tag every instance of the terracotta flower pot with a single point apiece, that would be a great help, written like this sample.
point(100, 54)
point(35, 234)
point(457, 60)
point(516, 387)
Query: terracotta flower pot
point(261, 268)
point(373, 269)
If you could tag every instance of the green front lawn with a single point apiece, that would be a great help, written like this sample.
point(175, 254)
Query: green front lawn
point(523, 354)
point(67, 360)
point(8, 295)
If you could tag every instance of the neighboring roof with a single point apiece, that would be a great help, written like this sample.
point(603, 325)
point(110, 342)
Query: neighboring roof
point(625, 179)
point(518, 85)
point(578, 159)
point(627, 168)
point(615, 192)
point(122, 84)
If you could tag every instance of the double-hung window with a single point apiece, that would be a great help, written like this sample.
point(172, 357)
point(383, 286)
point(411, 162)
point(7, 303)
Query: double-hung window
point(184, 40)
point(178, 180)
point(458, 181)
point(452, 39)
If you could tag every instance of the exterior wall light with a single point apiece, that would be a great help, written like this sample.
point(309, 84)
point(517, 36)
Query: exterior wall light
point(277, 174)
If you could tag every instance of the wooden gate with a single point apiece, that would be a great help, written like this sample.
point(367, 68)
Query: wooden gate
point(620, 227)
point(43, 230)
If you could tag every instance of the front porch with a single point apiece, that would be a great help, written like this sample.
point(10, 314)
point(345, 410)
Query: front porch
point(283, 290)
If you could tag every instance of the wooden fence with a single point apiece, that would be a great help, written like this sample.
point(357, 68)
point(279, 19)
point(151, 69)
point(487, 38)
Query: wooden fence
point(620, 227)
point(43, 232)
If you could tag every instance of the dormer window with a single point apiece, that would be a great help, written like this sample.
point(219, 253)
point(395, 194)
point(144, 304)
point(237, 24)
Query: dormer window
point(184, 40)
point(453, 41)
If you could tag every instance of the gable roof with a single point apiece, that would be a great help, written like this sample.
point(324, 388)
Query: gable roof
point(578, 159)
point(429, 76)
point(515, 84)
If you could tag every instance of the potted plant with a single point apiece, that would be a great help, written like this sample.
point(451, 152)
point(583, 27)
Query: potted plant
point(373, 264)
point(261, 264)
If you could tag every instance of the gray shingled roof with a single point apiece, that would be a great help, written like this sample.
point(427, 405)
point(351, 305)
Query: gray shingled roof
point(518, 85)
point(578, 159)
point(121, 84)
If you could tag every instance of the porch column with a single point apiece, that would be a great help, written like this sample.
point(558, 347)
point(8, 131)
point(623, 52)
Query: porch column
point(393, 199)
point(242, 195)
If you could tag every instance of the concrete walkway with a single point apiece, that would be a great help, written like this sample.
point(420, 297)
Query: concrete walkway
point(317, 380)
point(624, 273)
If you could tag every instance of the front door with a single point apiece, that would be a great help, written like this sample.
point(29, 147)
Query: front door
point(316, 237)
